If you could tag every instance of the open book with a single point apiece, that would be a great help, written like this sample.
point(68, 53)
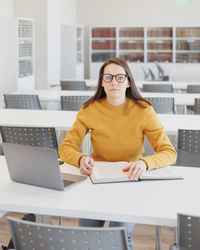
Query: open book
point(112, 172)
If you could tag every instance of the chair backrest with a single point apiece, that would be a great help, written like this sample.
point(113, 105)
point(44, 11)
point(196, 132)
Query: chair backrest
point(164, 88)
point(22, 101)
point(188, 148)
point(188, 231)
point(30, 235)
point(146, 73)
point(162, 105)
point(1, 150)
point(73, 85)
point(32, 136)
point(73, 103)
point(160, 72)
point(193, 89)
point(153, 77)
point(197, 106)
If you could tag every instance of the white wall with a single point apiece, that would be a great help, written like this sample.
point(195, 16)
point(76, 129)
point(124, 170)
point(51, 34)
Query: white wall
point(6, 8)
point(8, 74)
point(8, 57)
point(37, 10)
point(68, 11)
point(136, 13)
point(53, 41)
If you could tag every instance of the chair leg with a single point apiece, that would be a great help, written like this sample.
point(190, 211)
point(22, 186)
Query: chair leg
point(158, 239)
point(175, 235)
point(46, 219)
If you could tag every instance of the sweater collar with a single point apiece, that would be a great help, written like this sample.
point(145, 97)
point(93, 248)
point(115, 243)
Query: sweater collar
point(114, 107)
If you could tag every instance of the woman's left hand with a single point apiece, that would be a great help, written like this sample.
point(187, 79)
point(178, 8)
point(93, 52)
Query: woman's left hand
point(136, 169)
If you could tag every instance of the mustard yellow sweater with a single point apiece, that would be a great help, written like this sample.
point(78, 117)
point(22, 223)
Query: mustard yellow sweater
point(117, 135)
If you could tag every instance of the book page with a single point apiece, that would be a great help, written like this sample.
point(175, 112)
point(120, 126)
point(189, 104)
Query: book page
point(161, 173)
point(113, 172)
point(109, 170)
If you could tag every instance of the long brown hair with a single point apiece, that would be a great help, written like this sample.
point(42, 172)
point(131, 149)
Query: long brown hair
point(131, 92)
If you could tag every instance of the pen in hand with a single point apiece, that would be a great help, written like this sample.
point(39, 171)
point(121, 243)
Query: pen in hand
point(86, 165)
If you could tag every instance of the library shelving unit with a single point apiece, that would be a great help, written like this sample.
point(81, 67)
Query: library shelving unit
point(102, 46)
point(25, 53)
point(72, 52)
point(188, 45)
point(176, 49)
point(160, 44)
point(131, 44)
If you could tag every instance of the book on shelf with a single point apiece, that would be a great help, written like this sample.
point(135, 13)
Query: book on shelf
point(105, 172)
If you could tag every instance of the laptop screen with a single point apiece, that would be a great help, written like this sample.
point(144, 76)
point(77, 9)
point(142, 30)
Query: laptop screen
point(33, 165)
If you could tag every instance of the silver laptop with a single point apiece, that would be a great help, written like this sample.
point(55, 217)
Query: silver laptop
point(36, 166)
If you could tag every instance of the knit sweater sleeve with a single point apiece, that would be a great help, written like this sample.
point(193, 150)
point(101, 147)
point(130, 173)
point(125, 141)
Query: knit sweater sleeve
point(165, 153)
point(68, 149)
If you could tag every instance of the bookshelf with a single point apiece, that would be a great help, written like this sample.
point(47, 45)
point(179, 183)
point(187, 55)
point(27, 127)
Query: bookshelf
point(26, 50)
point(169, 46)
point(103, 44)
point(188, 45)
point(160, 44)
point(131, 44)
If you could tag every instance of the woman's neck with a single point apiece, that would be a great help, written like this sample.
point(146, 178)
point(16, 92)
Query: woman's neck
point(116, 101)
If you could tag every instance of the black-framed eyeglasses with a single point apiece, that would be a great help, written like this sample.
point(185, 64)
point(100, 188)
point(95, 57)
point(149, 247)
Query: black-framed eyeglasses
point(120, 78)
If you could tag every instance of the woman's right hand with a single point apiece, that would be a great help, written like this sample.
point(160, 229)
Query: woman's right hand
point(86, 165)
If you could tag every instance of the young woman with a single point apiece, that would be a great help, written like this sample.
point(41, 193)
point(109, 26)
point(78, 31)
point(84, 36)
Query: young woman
point(119, 118)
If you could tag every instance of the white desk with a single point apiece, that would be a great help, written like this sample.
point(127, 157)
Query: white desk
point(61, 120)
point(139, 84)
point(54, 95)
point(91, 83)
point(65, 119)
point(150, 202)
point(37, 118)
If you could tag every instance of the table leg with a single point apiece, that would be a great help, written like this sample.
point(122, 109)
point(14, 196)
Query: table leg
point(185, 109)
point(158, 239)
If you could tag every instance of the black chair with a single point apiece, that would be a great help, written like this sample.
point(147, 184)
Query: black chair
point(32, 136)
point(73, 85)
point(162, 88)
point(29, 235)
point(188, 148)
point(73, 103)
point(22, 101)
point(188, 231)
point(192, 89)
point(162, 105)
